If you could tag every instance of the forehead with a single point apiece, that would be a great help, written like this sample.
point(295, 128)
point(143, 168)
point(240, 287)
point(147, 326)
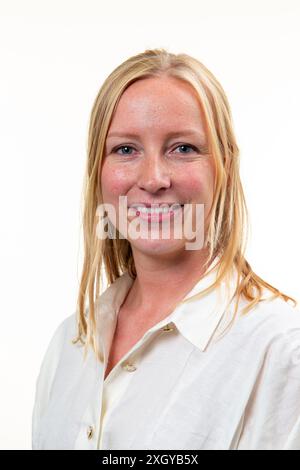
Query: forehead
point(161, 105)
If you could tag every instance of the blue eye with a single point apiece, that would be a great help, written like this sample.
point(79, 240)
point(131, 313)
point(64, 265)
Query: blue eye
point(122, 147)
point(187, 146)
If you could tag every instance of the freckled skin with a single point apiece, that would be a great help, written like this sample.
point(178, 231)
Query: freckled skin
point(157, 170)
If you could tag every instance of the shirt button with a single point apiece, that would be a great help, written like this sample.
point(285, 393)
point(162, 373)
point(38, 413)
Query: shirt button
point(129, 367)
point(168, 327)
point(90, 432)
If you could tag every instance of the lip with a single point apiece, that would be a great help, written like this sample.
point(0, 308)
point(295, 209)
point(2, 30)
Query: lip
point(157, 217)
point(154, 204)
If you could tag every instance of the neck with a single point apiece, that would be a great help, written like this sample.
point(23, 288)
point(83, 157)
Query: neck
point(162, 282)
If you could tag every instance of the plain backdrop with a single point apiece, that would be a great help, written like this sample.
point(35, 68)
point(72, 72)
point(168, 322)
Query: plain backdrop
point(54, 56)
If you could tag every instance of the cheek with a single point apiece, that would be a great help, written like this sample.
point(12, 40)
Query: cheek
point(114, 182)
point(197, 182)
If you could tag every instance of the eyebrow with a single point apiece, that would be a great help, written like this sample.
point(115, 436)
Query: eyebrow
point(169, 134)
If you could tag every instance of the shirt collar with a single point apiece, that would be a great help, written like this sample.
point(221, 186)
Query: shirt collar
point(196, 319)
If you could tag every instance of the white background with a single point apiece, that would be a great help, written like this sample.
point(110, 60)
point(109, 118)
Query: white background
point(54, 57)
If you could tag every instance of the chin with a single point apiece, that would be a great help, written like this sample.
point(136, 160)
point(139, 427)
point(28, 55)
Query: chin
point(158, 247)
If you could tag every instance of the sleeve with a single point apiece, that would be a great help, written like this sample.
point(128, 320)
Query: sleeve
point(44, 381)
point(272, 416)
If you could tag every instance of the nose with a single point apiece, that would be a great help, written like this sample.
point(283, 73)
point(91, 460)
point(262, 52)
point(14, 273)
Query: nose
point(154, 175)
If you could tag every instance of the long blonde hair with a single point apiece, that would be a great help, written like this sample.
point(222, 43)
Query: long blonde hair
point(228, 228)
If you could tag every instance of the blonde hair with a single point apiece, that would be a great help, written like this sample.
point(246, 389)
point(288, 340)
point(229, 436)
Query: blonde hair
point(228, 227)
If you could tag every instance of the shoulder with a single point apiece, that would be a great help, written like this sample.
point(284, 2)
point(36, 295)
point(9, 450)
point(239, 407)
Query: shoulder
point(269, 321)
point(64, 332)
point(272, 326)
point(285, 322)
point(271, 341)
point(276, 314)
point(61, 340)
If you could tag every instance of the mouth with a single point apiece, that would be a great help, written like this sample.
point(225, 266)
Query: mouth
point(155, 212)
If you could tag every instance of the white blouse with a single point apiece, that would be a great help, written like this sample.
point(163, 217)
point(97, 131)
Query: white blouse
point(180, 386)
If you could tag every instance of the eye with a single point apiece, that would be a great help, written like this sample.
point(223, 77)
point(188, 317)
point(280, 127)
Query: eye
point(182, 146)
point(127, 149)
point(122, 147)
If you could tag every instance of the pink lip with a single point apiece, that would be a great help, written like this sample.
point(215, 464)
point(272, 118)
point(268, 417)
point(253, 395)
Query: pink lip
point(153, 204)
point(160, 217)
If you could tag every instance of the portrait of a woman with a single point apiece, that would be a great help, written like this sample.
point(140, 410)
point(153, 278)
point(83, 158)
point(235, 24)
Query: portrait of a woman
point(187, 347)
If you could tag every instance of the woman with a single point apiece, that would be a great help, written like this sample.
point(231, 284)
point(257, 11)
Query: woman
point(187, 348)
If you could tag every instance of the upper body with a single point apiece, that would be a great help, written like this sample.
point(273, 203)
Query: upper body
point(178, 387)
point(162, 376)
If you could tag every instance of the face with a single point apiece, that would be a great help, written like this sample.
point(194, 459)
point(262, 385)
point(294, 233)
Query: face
point(157, 153)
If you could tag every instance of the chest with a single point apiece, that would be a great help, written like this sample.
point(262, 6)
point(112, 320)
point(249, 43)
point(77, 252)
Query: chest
point(178, 397)
point(126, 335)
point(117, 351)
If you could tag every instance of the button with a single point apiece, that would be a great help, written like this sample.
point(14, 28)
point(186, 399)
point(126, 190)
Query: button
point(90, 432)
point(168, 327)
point(129, 367)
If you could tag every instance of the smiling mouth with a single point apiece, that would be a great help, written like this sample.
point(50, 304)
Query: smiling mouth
point(156, 214)
point(154, 209)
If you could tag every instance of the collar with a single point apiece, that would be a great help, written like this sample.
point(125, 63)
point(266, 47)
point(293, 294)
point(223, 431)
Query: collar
point(196, 319)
